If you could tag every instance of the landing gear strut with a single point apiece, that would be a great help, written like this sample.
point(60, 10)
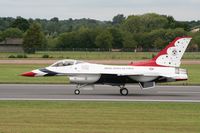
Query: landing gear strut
point(123, 91)
point(77, 91)
point(78, 88)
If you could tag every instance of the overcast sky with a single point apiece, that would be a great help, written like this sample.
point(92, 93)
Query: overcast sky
point(98, 9)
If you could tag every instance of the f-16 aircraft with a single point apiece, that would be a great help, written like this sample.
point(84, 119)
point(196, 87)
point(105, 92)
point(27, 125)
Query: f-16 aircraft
point(164, 67)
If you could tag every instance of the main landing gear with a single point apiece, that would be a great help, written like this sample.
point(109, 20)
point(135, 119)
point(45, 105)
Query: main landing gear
point(123, 91)
point(77, 91)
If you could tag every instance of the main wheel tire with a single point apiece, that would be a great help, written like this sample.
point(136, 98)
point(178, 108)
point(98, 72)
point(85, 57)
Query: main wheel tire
point(77, 92)
point(124, 92)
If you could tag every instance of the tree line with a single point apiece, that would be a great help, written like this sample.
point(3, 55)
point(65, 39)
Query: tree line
point(142, 32)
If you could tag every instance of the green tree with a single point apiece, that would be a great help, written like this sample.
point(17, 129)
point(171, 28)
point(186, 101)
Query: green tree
point(171, 22)
point(12, 33)
point(153, 38)
point(5, 23)
point(117, 37)
point(159, 43)
point(118, 19)
point(21, 24)
point(51, 43)
point(53, 26)
point(1, 36)
point(85, 38)
point(66, 40)
point(133, 24)
point(82, 38)
point(144, 23)
point(173, 33)
point(129, 41)
point(54, 19)
point(104, 40)
point(142, 39)
point(152, 21)
point(196, 39)
point(34, 39)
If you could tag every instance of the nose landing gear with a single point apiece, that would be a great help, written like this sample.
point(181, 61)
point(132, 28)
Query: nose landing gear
point(77, 92)
point(82, 86)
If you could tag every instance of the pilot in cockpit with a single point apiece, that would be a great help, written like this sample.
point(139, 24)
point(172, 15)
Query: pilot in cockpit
point(63, 63)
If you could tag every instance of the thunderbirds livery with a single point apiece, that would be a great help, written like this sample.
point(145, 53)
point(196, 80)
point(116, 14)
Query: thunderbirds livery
point(164, 67)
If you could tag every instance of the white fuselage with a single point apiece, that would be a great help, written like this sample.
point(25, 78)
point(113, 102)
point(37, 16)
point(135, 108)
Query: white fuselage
point(137, 73)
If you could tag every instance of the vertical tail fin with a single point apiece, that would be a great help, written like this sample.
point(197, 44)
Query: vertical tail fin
point(170, 56)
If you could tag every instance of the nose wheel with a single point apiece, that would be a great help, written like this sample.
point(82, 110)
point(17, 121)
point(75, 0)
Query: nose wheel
point(124, 91)
point(77, 92)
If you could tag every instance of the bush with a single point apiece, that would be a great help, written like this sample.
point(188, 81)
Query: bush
point(45, 56)
point(21, 56)
point(61, 57)
point(145, 58)
point(113, 57)
point(11, 56)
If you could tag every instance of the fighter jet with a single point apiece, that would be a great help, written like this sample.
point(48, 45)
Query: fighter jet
point(164, 67)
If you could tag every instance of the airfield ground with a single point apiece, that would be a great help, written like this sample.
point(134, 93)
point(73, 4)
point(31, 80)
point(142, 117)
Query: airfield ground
point(87, 55)
point(95, 117)
point(98, 117)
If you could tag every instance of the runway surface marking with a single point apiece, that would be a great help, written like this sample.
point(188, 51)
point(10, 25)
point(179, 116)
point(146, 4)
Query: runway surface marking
point(100, 100)
point(179, 92)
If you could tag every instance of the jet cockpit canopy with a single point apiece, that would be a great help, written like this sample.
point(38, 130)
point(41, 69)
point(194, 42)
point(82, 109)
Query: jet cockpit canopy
point(66, 62)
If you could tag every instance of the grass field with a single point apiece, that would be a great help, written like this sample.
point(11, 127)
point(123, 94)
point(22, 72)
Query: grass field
point(98, 117)
point(98, 55)
point(86, 55)
point(9, 73)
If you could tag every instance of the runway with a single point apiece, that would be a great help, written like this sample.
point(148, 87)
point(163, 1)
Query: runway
point(100, 93)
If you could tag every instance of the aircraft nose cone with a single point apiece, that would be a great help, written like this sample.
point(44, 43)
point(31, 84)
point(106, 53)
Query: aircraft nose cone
point(28, 74)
